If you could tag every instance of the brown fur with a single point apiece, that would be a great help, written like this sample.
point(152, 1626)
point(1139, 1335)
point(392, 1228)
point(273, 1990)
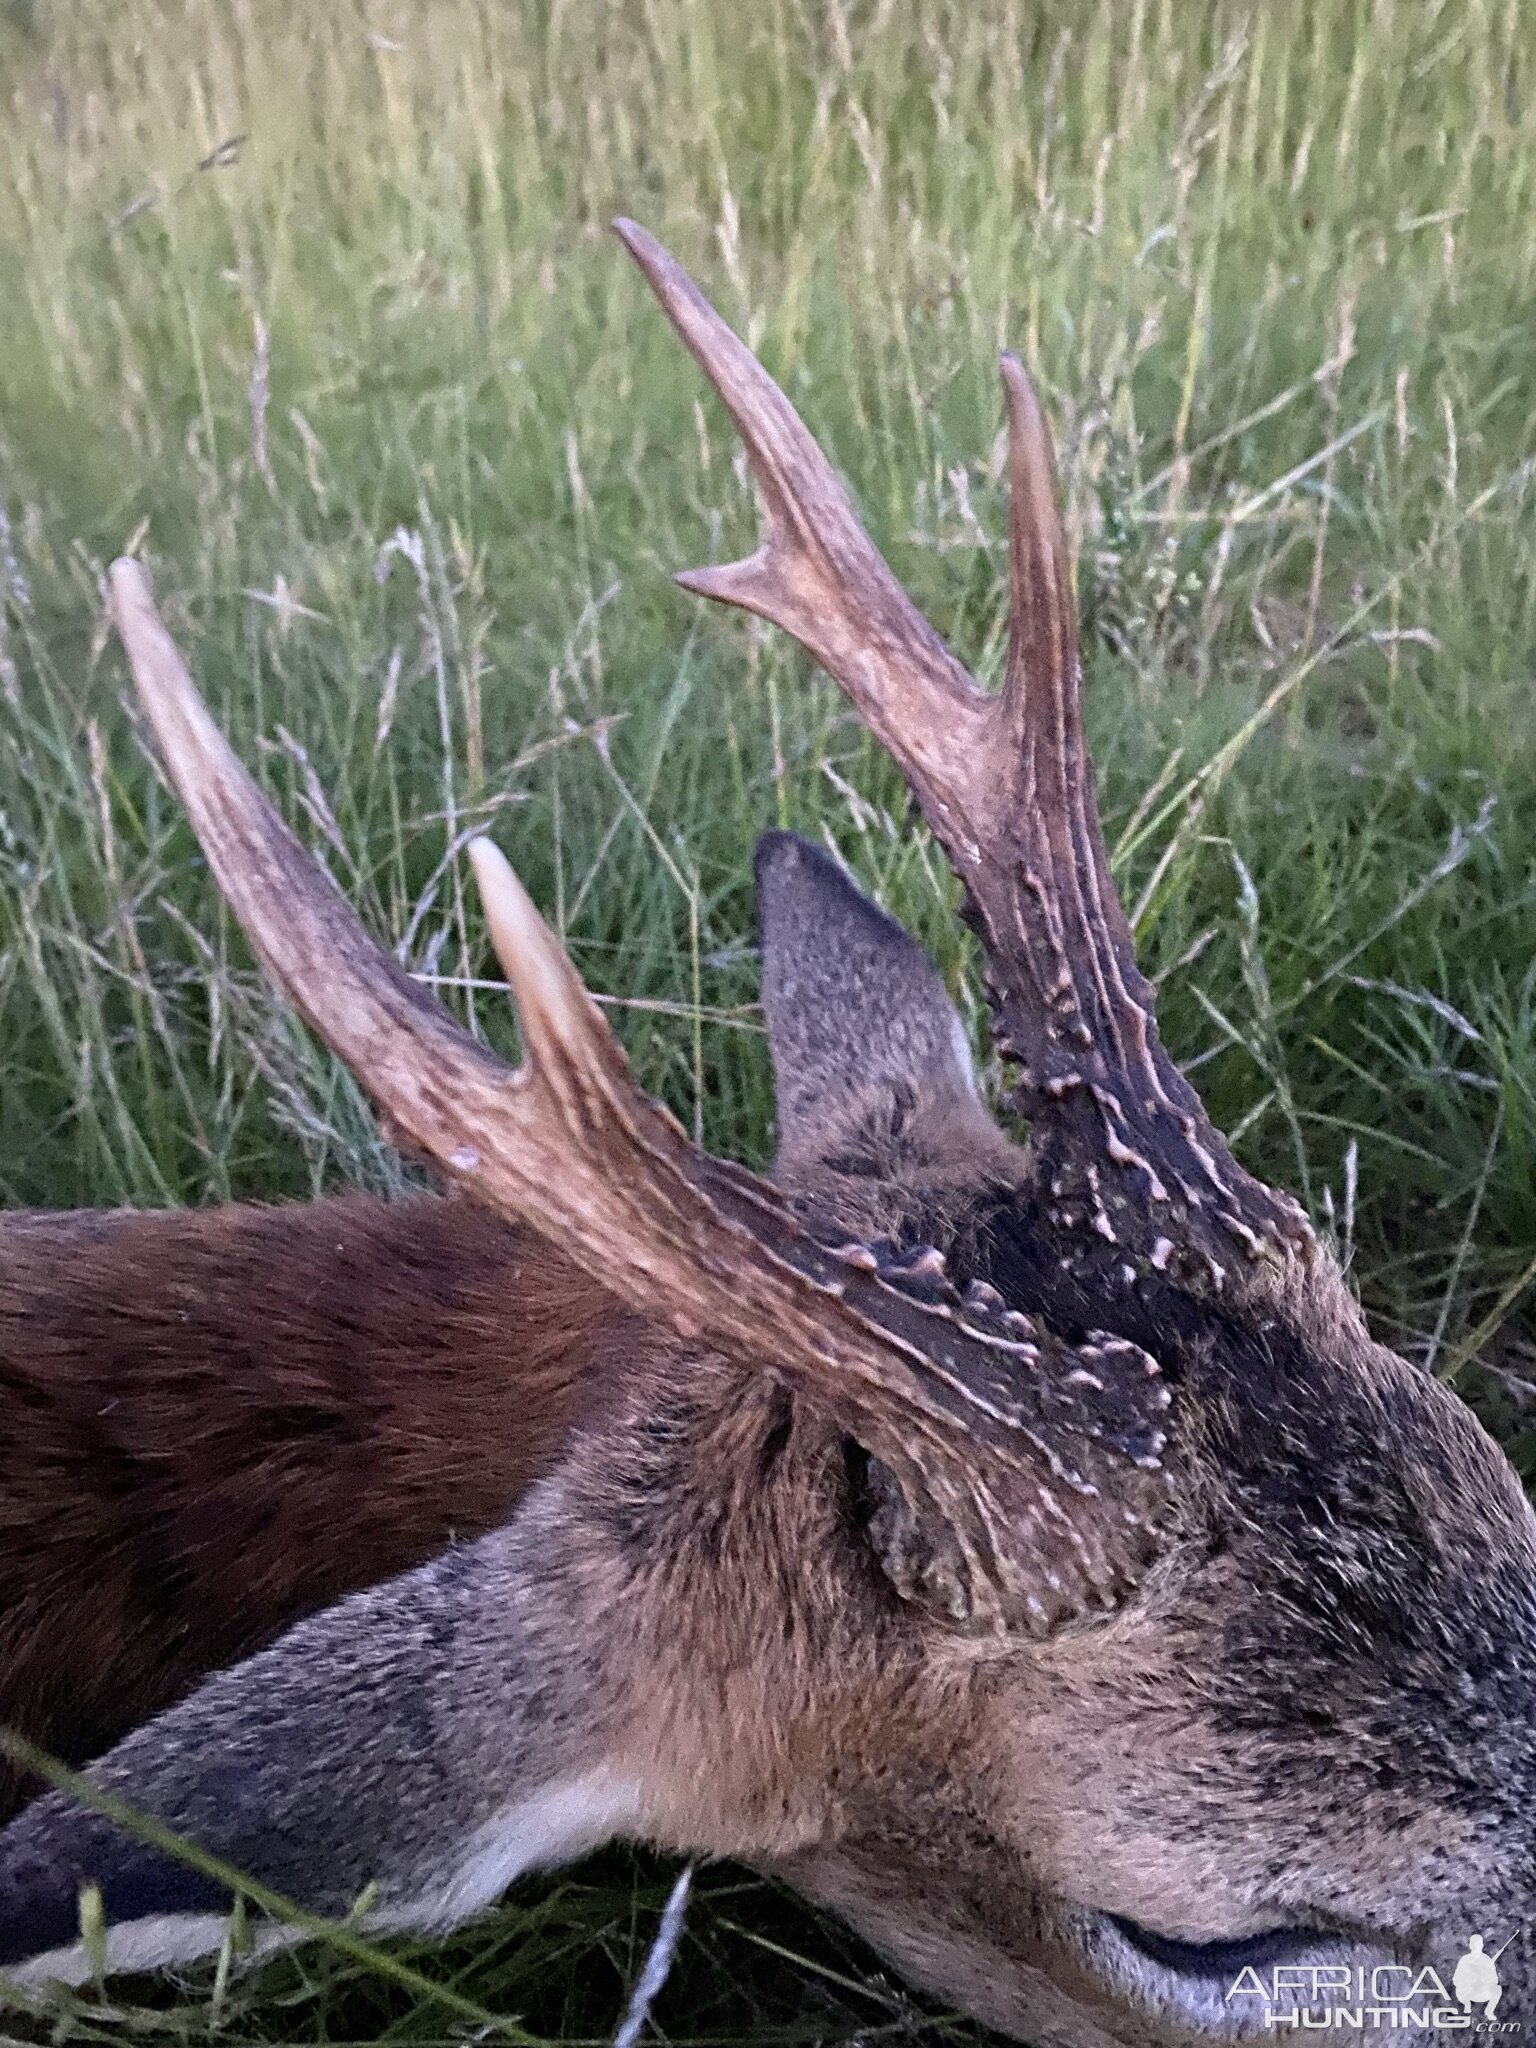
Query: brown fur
point(215, 1422)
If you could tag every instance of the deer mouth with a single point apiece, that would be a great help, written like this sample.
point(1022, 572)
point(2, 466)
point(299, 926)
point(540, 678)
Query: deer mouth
point(1243, 1985)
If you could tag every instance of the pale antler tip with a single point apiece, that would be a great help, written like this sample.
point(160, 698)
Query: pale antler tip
point(1025, 412)
point(1032, 459)
point(695, 319)
point(726, 582)
point(127, 573)
point(160, 674)
point(132, 600)
point(552, 1005)
point(652, 258)
point(515, 924)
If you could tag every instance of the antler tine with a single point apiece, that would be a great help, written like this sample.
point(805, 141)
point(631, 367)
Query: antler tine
point(1086, 997)
point(1007, 788)
point(1043, 621)
point(569, 1145)
point(296, 920)
point(1072, 1006)
point(818, 574)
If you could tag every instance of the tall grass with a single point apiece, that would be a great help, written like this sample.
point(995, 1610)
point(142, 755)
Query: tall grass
point(316, 310)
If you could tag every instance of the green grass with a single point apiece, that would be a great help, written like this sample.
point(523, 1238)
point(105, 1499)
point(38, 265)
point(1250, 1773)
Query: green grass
point(316, 309)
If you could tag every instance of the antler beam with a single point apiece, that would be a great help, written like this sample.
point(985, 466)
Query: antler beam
point(1124, 1149)
point(958, 1400)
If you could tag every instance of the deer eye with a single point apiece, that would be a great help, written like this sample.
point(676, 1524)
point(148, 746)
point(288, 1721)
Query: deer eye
point(1223, 1960)
point(1228, 1989)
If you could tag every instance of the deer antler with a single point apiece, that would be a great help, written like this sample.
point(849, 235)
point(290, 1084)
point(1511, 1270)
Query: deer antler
point(1123, 1147)
point(965, 1403)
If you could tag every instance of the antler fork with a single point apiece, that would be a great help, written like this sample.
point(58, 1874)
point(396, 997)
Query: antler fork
point(1123, 1145)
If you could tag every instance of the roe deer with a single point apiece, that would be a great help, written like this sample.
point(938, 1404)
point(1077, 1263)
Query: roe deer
point(1026, 1551)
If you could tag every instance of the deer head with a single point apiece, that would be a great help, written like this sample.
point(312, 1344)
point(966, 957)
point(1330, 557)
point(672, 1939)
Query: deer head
point(1025, 1550)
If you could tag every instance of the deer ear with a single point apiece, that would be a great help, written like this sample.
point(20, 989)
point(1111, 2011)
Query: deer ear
point(879, 1115)
point(871, 1065)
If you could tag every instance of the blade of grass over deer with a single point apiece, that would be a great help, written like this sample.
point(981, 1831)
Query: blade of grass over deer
point(964, 1402)
point(1125, 1149)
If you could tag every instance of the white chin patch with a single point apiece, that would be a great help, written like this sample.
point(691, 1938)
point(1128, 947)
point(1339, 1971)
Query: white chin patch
point(134, 1946)
point(548, 1827)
